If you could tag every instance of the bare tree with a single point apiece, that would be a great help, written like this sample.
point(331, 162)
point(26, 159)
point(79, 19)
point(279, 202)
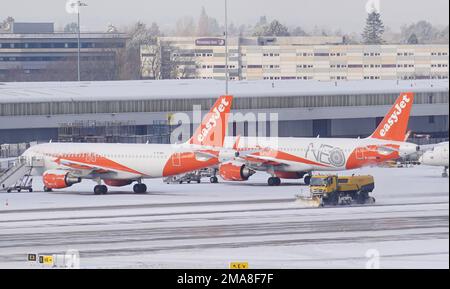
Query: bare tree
point(275, 28)
point(151, 61)
point(423, 31)
point(7, 23)
point(130, 66)
point(176, 64)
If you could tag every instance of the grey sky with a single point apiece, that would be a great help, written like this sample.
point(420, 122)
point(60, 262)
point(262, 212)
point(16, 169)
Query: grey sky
point(347, 15)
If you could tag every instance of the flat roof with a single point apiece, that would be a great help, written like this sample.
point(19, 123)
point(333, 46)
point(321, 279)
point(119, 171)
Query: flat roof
point(17, 92)
point(63, 35)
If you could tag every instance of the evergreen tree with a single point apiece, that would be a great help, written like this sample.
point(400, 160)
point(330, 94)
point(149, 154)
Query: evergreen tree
point(298, 31)
point(203, 24)
point(71, 27)
point(373, 32)
point(260, 27)
point(185, 27)
point(413, 39)
point(154, 30)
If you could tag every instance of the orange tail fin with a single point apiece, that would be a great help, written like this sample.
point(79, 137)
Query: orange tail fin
point(395, 123)
point(212, 131)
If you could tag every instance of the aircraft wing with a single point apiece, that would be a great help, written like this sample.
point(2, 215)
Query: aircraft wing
point(84, 165)
point(277, 158)
point(86, 168)
point(206, 155)
point(262, 160)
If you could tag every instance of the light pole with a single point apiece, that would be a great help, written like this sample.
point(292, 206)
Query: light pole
point(79, 4)
point(226, 47)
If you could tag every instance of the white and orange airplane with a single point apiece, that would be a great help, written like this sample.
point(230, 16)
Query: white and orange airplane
point(437, 156)
point(66, 164)
point(296, 158)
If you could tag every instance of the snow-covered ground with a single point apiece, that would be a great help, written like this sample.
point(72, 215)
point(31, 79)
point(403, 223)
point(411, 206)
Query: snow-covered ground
point(209, 225)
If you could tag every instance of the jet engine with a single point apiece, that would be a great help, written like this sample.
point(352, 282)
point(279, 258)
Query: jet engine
point(235, 172)
point(59, 179)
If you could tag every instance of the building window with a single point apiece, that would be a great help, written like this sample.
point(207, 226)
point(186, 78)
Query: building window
point(431, 119)
point(253, 66)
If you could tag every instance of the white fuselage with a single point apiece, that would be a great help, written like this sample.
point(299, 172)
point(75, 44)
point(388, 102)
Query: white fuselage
point(438, 156)
point(117, 161)
point(328, 154)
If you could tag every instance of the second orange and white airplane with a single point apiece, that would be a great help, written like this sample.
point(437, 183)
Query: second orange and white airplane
point(296, 158)
point(66, 164)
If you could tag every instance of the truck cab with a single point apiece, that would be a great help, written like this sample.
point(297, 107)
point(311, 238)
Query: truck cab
point(323, 184)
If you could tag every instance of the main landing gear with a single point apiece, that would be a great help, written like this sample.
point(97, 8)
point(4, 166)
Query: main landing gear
point(140, 188)
point(274, 181)
point(307, 180)
point(214, 180)
point(100, 190)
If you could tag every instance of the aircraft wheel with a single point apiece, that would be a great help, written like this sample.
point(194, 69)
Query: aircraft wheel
point(100, 190)
point(307, 180)
point(214, 180)
point(277, 181)
point(140, 188)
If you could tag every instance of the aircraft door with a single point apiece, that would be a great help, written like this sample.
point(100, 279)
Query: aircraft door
point(176, 160)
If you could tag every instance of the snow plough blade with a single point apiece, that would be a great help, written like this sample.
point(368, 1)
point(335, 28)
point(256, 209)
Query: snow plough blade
point(309, 202)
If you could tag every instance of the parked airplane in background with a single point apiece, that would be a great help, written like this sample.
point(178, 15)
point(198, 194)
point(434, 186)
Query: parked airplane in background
point(66, 164)
point(437, 156)
point(296, 158)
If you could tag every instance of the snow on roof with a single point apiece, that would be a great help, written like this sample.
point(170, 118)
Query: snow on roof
point(15, 92)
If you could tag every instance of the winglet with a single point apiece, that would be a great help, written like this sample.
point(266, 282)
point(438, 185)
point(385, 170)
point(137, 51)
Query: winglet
point(395, 123)
point(213, 129)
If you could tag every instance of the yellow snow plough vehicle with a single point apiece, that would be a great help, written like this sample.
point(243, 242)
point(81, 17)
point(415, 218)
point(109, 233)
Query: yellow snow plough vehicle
point(333, 190)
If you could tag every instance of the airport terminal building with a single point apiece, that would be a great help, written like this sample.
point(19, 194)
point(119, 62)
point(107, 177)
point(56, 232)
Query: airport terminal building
point(139, 111)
